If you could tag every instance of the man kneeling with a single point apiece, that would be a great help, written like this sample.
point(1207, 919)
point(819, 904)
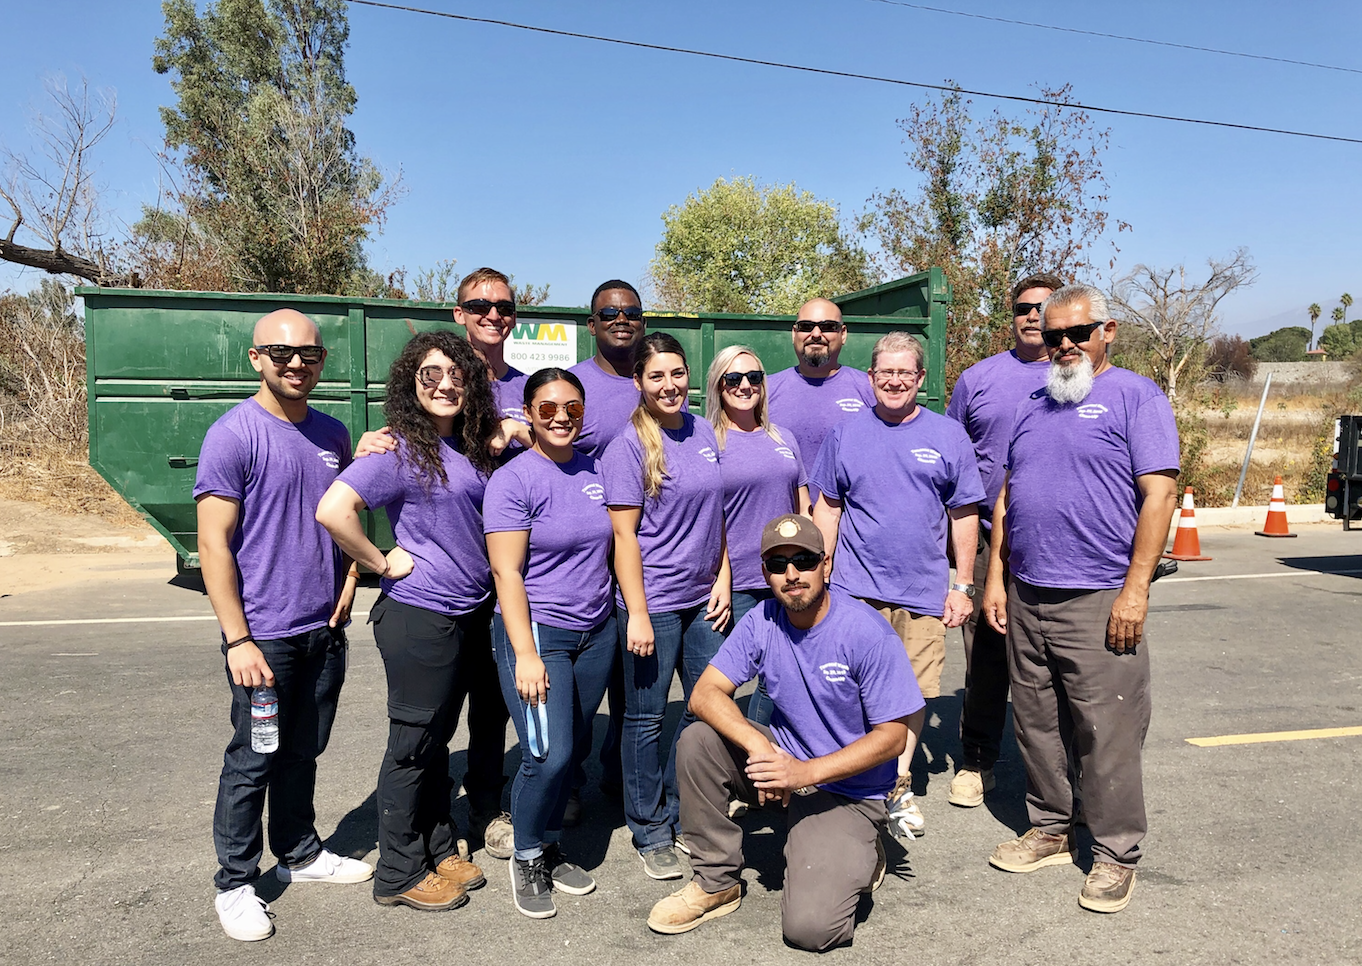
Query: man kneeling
point(846, 705)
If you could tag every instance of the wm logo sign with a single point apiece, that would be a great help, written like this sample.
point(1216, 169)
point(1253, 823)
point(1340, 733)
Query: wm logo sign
point(540, 331)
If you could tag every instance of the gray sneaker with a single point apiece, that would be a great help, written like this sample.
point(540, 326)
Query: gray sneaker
point(567, 876)
point(662, 864)
point(679, 840)
point(531, 887)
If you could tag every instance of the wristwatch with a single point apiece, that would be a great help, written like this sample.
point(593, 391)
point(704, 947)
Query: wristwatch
point(969, 590)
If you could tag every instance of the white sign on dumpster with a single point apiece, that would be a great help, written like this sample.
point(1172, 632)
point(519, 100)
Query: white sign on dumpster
point(537, 343)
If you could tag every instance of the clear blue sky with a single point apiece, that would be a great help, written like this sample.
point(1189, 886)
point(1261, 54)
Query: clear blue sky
point(553, 158)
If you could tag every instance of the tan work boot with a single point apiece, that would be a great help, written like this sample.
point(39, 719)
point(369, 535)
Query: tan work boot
point(1033, 850)
point(460, 871)
point(686, 908)
point(968, 786)
point(1108, 887)
point(432, 894)
point(881, 867)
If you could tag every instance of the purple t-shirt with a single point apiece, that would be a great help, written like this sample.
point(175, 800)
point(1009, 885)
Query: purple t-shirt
point(288, 569)
point(831, 683)
point(984, 401)
point(681, 529)
point(811, 407)
point(895, 482)
point(440, 526)
point(567, 568)
point(508, 393)
point(761, 482)
point(1072, 498)
point(610, 401)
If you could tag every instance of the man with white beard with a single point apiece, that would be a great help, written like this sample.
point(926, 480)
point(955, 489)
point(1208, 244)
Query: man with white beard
point(1080, 524)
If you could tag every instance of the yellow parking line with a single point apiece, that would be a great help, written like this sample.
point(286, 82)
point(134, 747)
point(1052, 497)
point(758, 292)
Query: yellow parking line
point(1274, 736)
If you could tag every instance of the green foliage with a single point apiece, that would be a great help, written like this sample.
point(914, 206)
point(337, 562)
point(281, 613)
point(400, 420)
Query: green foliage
point(1338, 340)
point(1193, 437)
point(740, 246)
point(1282, 345)
point(273, 179)
point(995, 200)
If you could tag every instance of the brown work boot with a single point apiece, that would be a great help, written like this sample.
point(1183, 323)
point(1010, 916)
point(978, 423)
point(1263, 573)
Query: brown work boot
point(968, 786)
point(461, 872)
point(686, 908)
point(1032, 851)
point(1107, 888)
point(432, 894)
point(881, 867)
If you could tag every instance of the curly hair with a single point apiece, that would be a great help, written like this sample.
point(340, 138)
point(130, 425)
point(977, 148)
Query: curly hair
point(476, 423)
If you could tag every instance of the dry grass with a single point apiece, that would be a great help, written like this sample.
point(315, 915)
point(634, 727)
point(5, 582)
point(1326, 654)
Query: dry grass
point(58, 478)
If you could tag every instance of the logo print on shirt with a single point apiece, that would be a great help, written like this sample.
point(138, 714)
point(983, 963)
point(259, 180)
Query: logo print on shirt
point(835, 673)
point(595, 491)
point(850, 405)
point(926, 454)
point(709, 454)
point(329, 458)
point(1091, 410)
point(786, 452)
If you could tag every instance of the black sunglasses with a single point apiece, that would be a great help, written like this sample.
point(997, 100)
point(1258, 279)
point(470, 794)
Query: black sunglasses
point(282, 355)
point(804, 561)
point(432, 376)
point(547, 409)
point(826, 325)
point(1077, 334)
point(610, 313)
point(732, 380)
point(1025, 308)
point(483, 306)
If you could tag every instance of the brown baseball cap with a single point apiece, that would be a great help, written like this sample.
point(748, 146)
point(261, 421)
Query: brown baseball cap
point(791, 530)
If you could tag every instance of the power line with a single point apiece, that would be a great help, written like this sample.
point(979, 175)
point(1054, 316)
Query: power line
point(1135, 40)
point(1072, 105)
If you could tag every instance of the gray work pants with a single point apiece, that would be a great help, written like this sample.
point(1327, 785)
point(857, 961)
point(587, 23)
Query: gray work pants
point(829, 851)
point(1069, 692)
point(983, 714)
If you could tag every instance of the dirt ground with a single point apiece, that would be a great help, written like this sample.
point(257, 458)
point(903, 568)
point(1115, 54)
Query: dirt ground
point(42, 548)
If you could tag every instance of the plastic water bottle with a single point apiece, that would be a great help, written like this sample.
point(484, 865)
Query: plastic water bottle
point(264, 720)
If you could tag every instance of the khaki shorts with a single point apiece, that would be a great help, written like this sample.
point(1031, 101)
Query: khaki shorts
point(924, 638)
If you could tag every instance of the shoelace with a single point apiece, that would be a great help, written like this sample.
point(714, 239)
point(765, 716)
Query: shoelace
point(536, 875)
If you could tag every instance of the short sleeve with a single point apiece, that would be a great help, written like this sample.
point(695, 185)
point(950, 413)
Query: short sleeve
point(739, 655)
point(825, 469)
point(1154, 436)
point(866, 390)
point(889, 689)
point(506, 505)
point(958, 408)
point(224, 463)
point(791, 442)
point(622, 472)
point(378, 478)
point(968, 485)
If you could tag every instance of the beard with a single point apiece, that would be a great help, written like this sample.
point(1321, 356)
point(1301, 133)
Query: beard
point(797, 606)
point(815, 356)
point(1070, 384)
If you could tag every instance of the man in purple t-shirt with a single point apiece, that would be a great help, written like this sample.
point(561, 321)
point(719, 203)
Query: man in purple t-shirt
point(818, 393)
point(487, 311)
point(274, 579)
point(1080, 522)
point(846, 705)
point(891, 479)
point(983, 401)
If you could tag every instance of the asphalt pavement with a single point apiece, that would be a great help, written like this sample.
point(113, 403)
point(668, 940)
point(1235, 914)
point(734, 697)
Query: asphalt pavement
point(111, 738)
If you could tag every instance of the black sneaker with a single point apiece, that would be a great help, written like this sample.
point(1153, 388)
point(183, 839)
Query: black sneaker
point(531, 887)
point(566, 876)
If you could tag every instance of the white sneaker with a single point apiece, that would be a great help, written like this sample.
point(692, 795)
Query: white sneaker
point(327, 867)
point(243, 914)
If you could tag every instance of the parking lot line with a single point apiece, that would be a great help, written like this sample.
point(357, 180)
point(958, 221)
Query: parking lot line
point(1274, 736)
point(354, 616)
point(1274, 573)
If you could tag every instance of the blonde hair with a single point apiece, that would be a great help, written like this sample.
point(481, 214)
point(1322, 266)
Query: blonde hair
point(714, 395)
point(898, 342)
point(645, 424)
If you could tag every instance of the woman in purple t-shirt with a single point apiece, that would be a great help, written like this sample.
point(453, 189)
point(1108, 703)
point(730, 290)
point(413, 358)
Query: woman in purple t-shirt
point(763, 478)
point(432, 620)
point(549, 538)
point(665, 494)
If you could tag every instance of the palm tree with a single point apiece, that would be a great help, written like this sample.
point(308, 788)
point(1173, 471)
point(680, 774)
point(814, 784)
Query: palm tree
point(1347, 301)
point(1338, 314)
point(1314, 311)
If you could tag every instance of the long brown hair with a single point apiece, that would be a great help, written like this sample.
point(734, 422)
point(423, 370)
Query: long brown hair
point(645, 424)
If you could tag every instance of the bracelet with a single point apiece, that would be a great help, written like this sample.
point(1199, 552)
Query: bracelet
point(387, 565)
point(353, 572)
point(240, 640)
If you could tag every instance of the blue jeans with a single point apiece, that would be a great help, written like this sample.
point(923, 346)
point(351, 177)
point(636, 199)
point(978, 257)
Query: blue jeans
point(759, 705)
point(578, 665)
point(683, 641)
point(309, 670)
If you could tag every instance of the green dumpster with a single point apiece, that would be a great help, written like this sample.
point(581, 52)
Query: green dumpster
point(162, 366)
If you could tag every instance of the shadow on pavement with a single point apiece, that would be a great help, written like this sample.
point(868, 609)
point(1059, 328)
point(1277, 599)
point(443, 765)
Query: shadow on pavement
point(1349, 565)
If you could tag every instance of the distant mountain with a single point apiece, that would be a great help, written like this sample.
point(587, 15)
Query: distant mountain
point(1270, 323)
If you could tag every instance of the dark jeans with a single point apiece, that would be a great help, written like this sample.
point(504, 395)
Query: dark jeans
point(578, 665)
point(309, 670)
point(683, 641)
point(983, 715)
point(432, 661)
point(759, 705)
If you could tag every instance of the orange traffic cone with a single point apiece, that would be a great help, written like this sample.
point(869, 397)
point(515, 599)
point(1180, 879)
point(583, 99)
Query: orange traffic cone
point(1186, 545)
point(1276, 514)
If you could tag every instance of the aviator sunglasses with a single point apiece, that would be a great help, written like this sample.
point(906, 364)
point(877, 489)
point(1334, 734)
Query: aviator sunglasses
point(804, 561)
point(732, 380)
point(432, 376)
point(282, 355)
point(1077, 334)
point(548, 409)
